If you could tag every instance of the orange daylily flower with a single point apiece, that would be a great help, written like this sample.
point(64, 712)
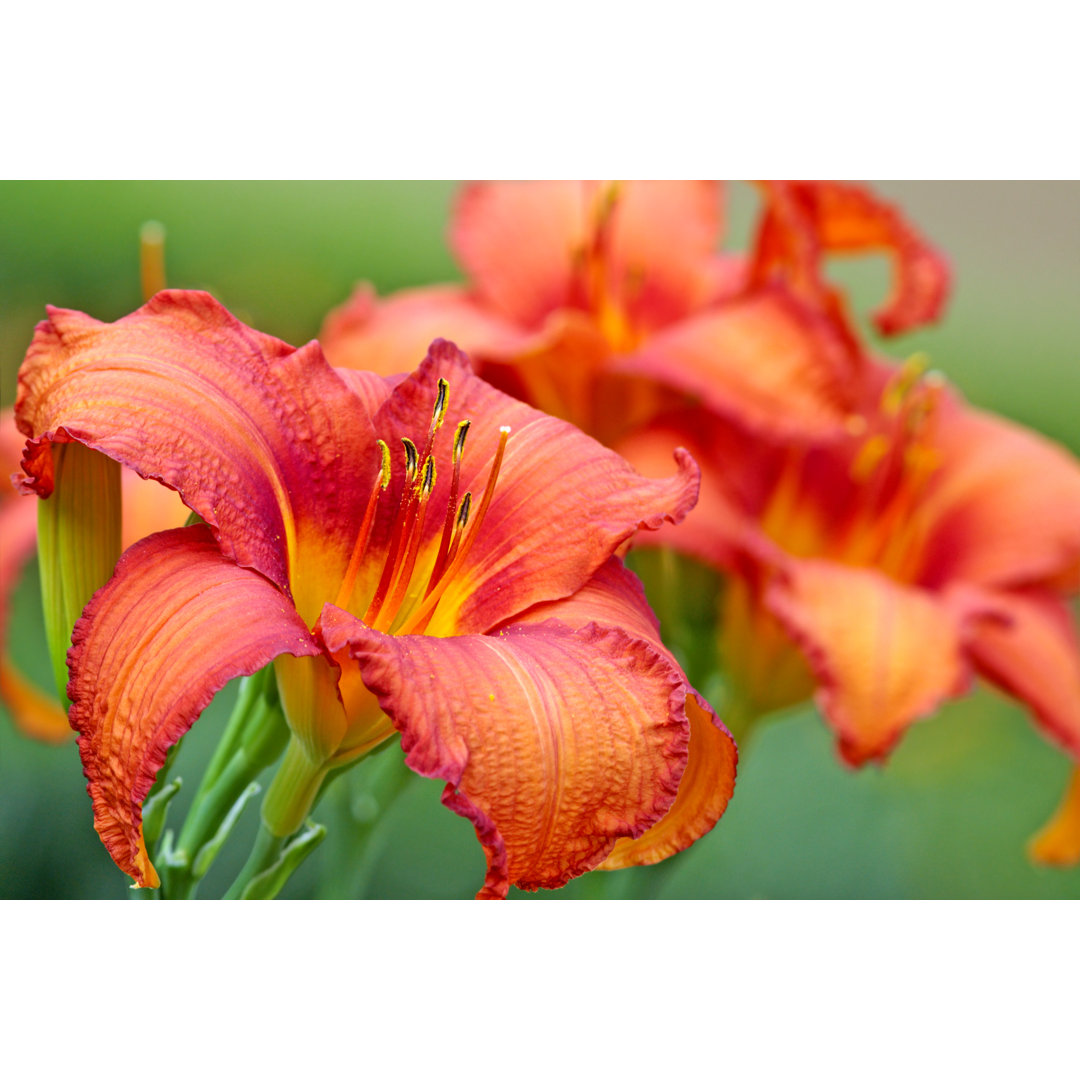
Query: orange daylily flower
point(147, 507)
point(883, 569)
point(463, 591)
point(608, 304)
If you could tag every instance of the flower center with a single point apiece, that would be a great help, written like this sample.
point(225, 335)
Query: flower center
point(879, 521)
point(595, 288)
point(409, 588)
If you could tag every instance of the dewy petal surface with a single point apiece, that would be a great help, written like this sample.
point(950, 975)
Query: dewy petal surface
point(249, 430)
point(884, 655)
point(175, 623)
point(561, 507)
point(554, 742)
point(615, 597)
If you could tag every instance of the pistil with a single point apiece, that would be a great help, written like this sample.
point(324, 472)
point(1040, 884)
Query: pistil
point(382, 482)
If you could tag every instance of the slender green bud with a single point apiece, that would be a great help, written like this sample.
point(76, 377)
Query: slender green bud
point(293, 790)
point(78, 542)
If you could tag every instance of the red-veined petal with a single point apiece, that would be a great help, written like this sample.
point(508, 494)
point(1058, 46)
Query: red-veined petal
point(265, 442)
point(614, 597)
point(553, 742)
point(175, 623)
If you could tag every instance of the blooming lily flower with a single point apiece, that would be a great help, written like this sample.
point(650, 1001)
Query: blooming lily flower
point(929, 543)
point(607, 304)
point(462, 591)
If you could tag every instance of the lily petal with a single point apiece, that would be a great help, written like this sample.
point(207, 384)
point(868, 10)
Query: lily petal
point(804, 220)
point(615, 597)
point(523, 554)
point(663, 247)
point(904, 659)
point(543, 224)
point(767, 360)
point(391, 335)
point(1005, 503)
point(553, 742)
point(1032, 652)
point(661, 258)
point(249, 430)
point(175, 623)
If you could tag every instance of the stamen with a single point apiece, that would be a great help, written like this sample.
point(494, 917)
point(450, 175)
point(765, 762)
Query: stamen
point(382, 482)
point(399, 535)
point(872, 452)
point(418, 622)
point(451, 506)
point(459, 526)
point(442, 400)
point(903, 382)
point(384, 618)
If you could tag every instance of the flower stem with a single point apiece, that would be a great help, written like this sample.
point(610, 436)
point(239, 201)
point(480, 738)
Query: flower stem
point(254, 737)
point(264, 854)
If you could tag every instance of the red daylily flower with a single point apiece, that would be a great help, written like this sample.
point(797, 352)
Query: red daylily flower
point(607, 304)
point(928, 543)
point(147, 507)
point(464, 593)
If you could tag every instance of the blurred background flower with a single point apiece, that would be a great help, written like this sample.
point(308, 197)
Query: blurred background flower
point(948, 817)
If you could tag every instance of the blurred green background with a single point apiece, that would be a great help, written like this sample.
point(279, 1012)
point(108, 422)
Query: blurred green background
point(949, 816)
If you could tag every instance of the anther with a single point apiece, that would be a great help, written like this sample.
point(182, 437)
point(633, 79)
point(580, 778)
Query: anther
point(411, 460)
point(451, 506)
point(429, 478)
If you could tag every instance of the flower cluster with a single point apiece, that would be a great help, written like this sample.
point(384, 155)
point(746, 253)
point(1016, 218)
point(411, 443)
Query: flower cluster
point(414, 530)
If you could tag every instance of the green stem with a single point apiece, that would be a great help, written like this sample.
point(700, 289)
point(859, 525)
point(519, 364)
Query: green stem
point(254, 737)
point(264, 854)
